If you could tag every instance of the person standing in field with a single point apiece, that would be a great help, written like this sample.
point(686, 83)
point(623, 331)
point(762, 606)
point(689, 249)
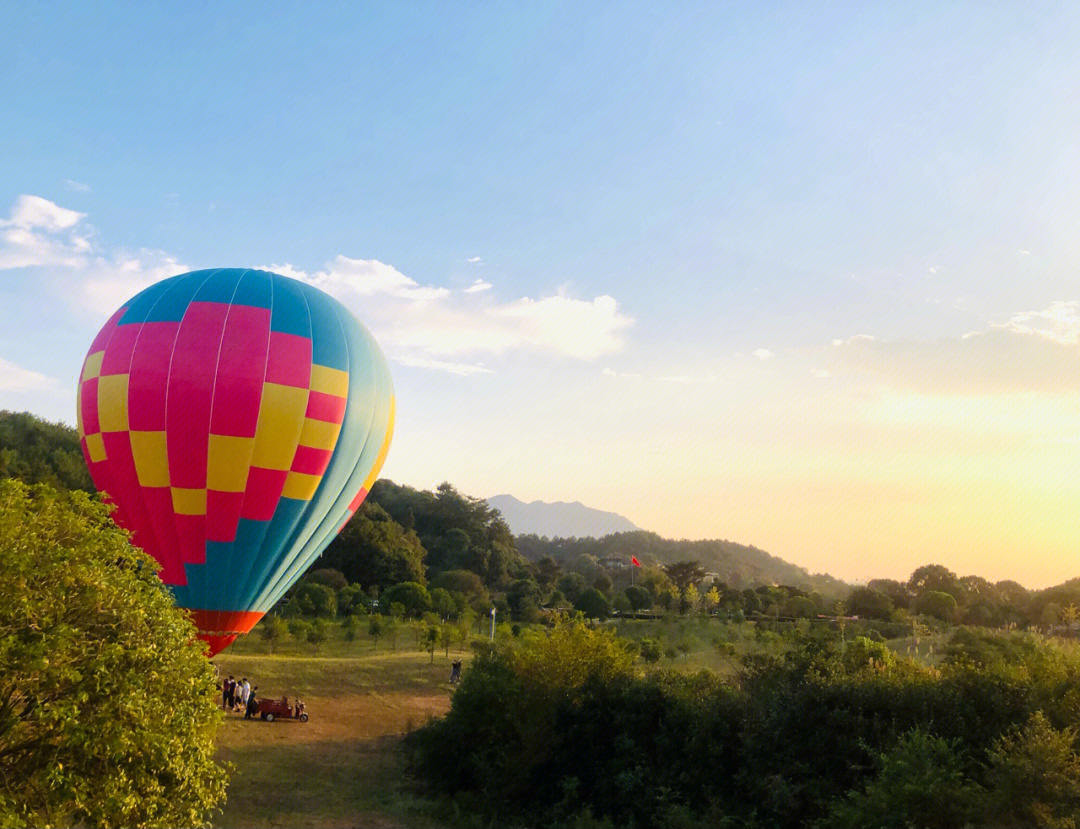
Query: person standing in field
point(245, 692)
point(252, 704)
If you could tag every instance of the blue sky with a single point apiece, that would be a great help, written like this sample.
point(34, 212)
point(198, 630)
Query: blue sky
point(718, 267)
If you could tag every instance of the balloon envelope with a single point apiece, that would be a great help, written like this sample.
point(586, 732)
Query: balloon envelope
point(237, 419)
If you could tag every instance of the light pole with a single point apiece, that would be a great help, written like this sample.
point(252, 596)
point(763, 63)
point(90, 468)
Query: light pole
point(492, 624)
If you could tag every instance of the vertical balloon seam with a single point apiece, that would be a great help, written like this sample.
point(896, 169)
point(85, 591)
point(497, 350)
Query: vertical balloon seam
point(286, 571)
point(257, 574)
point(201, 575)
point(333, 519)
point(168, 384)
point(216, 623)
point(249, 559)
point(138, 493)
point(292, 547)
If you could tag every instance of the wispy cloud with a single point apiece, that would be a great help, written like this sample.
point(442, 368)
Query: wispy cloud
point(77, 186)
point(1034, 351)
point(15, 378)
point(478, 286)
point(464, 369)
point(432, 323)
point(763, 354)
point(474, 260)
point(42, 234)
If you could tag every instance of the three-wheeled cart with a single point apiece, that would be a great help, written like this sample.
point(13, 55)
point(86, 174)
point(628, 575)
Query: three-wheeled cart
point(272, 709)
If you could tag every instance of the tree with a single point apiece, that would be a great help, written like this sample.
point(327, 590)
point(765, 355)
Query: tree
point(685, 573)
point(272, 629)
point(102, 676)
point(639, 598)
point(936, 603)
point(712, 599)
point(313, 600)
point(36, 451)
point(919, 782)
point(413, 597)
point(572, 585)
point(351, 599)
point(334, 579)
point(318, 633)
point(937, 578)
point(868, 603)
point(691, 597)
point(375, 628)
point(431, 639)
point(375, 550)
point(443, 603)
point(1035, 776)
point(593, 604)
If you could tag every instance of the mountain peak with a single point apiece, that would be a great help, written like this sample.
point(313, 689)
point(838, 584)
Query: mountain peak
point(563, 519)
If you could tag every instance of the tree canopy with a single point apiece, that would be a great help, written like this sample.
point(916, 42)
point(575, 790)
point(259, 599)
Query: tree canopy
point(107, 715)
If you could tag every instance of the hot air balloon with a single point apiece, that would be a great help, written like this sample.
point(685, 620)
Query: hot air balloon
point(237, 419)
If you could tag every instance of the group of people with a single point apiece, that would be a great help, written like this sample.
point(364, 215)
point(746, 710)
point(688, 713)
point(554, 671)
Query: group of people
point(239, 696)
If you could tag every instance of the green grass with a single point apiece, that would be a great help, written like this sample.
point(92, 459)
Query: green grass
point(344, 767)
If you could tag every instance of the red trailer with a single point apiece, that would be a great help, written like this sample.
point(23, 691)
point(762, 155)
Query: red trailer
point(272, 709)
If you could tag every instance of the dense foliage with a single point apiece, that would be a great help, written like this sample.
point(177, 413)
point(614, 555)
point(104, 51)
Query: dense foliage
point(106, 699)
point(39, 452)
point(561, 728)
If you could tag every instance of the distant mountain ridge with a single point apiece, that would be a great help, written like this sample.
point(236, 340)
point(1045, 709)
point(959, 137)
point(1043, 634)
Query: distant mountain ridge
point(559, 519)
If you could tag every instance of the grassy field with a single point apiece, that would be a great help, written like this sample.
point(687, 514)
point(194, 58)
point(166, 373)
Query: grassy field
point(344, 766)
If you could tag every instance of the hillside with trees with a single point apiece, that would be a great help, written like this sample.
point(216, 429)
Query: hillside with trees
point(36, 451)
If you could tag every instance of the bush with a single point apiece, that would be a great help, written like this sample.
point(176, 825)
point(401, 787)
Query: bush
point(593, 604)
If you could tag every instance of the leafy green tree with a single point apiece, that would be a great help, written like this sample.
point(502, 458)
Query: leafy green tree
point(442, 603)
point(318, 633)
point(375, 628)
point(523, 597)
point(593, 604)
point(461, 581)
point(431, 640)
point(602, 582)
point(413, 597)
point(36, 451)
point(315, 600)
point(800, 607)
point(102, 676)
point(867, 603)
point(622, 604)
point(935, 603)
point(572, 585)
point(272, 629)
point(651, 650)
point(919, 782)
point(685, 573)
point(639, 598)
point(691, 598)
point(375, 550)
point(711, 599)
point(351, 600)
point(934, 577)
point(1035, 776)
point(334, 579)
point(298, 628)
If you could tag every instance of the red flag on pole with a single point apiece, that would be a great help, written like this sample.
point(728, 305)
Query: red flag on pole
point(634, 561)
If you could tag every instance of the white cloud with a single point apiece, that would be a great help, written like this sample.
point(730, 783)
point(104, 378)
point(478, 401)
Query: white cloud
point(430, 322)
point(1035, 351)
point(763, 354)
point(474, 260)
point(1023, 253)
point(14, 378)
point(40, 232)
point(931, 271)
point(463, 369)
point(77, 186)
point(346, 277)
point(478, 286)
point(108, 282)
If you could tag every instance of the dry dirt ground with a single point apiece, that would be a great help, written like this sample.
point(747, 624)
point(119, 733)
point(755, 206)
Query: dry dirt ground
point(343, 768)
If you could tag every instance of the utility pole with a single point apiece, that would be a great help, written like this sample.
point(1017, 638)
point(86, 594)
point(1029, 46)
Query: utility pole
point(492, 624)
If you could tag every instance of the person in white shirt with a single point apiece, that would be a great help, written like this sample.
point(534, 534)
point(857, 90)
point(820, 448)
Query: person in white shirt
point(245, 692)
